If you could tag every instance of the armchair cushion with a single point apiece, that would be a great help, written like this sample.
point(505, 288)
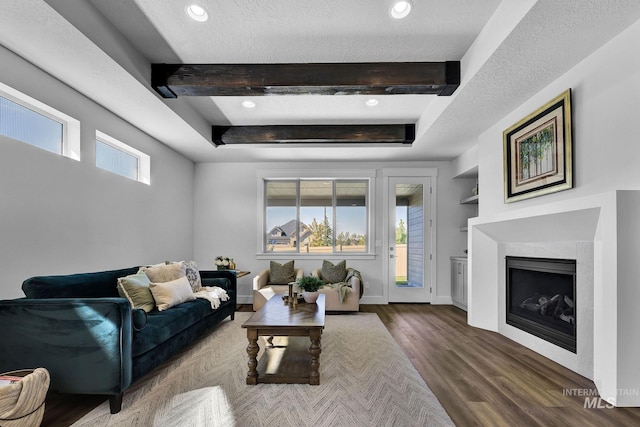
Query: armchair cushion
point(334, 273)
point(281, 274)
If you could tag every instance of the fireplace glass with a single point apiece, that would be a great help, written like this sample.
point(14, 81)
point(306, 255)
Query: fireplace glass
point(541, 298)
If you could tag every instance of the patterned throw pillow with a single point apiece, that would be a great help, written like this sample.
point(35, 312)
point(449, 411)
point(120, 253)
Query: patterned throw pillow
point(135, 288)
point(281, 274)
point(191, 270)
point(334, 273)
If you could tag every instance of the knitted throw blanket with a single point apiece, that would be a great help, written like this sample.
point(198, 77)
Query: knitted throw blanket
point(344, 288)
point(213, 294)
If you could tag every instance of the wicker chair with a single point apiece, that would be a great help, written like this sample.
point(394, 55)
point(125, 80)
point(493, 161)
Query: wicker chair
point(22, 403)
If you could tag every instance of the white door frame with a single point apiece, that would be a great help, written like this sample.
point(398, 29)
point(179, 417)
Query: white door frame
point(430, 244)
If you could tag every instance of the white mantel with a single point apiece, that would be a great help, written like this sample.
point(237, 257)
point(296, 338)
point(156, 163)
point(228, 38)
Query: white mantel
point(602, 232)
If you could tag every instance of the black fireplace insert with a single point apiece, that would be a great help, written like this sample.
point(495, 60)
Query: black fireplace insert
point(541, 298)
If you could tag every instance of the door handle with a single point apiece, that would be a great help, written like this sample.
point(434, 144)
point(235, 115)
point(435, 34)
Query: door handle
point(391, 256)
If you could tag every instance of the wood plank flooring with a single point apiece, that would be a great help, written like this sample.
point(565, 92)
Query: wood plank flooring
point(481, 378)
point(484, 379)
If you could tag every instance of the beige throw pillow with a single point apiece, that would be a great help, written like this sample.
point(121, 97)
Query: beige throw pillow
point(135, 288)
point(164, 272)
point(170, 294)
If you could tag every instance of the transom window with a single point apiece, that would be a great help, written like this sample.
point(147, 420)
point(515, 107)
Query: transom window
point(28, 120)
point(21, 123)
point(316, 216)
point(121, 159)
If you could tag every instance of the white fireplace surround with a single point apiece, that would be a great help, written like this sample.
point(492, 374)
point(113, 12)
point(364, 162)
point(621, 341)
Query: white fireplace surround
point(602, 233)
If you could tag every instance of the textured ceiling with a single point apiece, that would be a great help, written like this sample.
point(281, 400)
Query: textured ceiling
point(509, 51)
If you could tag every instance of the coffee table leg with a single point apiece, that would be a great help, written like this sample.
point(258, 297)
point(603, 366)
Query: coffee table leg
point(314, 350)
point(252, 351)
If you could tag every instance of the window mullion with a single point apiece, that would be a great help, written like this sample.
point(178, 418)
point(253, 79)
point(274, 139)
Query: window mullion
point(334, 209)
point(299, 229)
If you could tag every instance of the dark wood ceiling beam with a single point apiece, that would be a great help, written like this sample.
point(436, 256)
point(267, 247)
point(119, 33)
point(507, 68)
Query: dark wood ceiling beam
point(315, 134)
point(377, 78)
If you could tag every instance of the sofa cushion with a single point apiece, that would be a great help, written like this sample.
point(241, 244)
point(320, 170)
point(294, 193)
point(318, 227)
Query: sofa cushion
point(281, 274)
point(135, 288)
point(334, 273)
point(82, 285)
point(169, 294)
point(162, 325)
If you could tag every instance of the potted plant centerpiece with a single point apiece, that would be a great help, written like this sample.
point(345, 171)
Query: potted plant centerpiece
point(309, 285)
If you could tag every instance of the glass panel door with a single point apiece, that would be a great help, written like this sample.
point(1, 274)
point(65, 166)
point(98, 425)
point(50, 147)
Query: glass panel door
point(409, 239)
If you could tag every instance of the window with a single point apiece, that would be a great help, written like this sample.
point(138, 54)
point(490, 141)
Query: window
point(316, 216)
point(119, 158)
point(27, 120)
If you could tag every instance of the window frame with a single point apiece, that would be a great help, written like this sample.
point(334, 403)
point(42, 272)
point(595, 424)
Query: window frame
point(144, 160)
point(300, 175)
point(70, 126)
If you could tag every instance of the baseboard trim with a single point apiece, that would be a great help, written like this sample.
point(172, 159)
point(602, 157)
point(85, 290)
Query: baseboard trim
point(460, 306)
point(446, 300)
point(245, 299)
point(373, 300)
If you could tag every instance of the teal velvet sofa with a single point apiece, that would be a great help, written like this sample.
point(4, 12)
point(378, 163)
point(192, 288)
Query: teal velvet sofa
point(91, 340)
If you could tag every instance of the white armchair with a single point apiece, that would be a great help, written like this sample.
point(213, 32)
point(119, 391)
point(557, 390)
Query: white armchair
point(263, 290)
point(332, 302)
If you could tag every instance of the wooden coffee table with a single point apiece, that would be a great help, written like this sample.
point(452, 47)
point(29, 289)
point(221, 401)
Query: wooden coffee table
point(290, 360)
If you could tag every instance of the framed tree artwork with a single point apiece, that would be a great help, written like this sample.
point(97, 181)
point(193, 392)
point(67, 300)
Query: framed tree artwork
point(538, 152)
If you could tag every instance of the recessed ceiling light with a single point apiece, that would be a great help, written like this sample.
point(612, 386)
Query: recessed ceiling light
point(372, 102)
point(400, 9)
point(248, 104)
point(197, 13)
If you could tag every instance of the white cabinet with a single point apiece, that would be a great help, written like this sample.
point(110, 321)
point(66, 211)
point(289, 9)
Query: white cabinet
point(459, 282)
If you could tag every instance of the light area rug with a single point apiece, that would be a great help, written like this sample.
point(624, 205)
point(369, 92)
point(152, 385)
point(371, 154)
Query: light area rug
point(365, 380)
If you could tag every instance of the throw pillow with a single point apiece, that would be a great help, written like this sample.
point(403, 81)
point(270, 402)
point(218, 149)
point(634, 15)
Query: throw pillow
point(334, 273)
point(281, 274)
point(193, 275)
point(135, 288)
point(169, 294)
point(164, 272)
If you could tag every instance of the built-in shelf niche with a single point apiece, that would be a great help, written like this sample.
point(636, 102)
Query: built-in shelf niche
point(471, 200)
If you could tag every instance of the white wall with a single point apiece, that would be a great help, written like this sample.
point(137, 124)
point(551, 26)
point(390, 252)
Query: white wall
point(606, 152)
point(606, 145)
point(60, 216)
point(226, 209)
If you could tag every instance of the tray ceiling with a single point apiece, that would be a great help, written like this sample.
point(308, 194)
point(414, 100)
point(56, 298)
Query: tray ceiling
point(508, 52)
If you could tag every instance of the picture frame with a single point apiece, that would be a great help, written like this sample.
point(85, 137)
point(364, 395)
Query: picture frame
point(538, 152)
